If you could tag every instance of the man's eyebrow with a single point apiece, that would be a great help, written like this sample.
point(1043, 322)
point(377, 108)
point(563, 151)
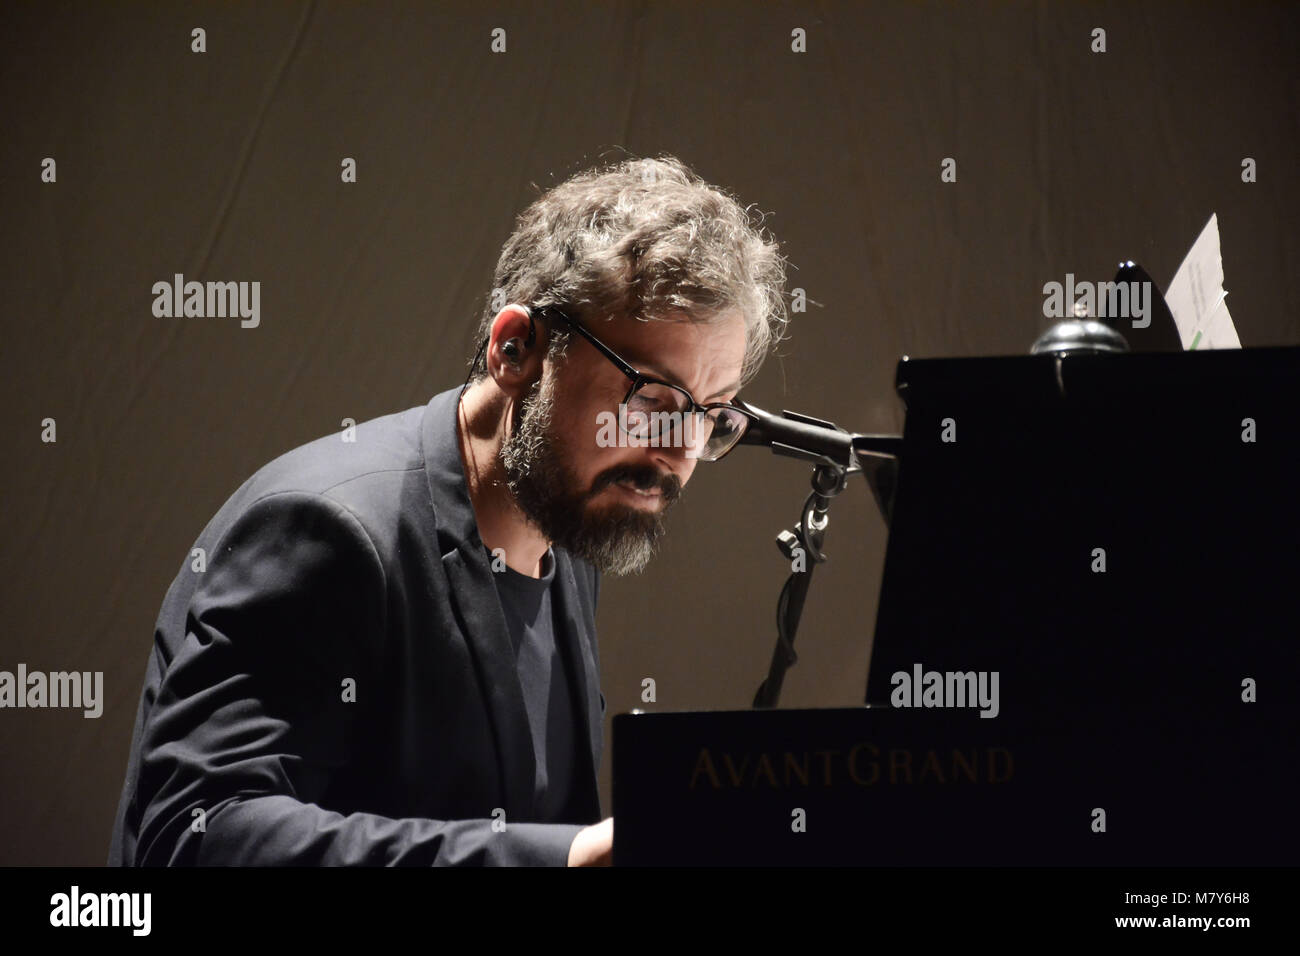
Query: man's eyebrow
point(659, 373)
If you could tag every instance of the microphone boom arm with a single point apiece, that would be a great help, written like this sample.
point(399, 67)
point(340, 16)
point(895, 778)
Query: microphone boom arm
point(836, 454)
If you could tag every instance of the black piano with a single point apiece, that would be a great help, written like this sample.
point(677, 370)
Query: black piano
point(1085, 650)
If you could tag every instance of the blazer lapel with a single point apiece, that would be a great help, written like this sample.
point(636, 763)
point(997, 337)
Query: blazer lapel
point(477, 609)
point(484, 628)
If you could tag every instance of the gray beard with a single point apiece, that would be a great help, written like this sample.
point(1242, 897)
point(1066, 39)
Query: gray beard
point(619, 539)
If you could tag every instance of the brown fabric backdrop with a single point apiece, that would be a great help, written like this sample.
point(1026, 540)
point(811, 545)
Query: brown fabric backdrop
point(225, 166)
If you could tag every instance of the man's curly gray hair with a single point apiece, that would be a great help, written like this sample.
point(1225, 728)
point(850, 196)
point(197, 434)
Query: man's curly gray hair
point(643, 238)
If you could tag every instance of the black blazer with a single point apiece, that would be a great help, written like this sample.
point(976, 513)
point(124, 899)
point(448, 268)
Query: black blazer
point(351, 565)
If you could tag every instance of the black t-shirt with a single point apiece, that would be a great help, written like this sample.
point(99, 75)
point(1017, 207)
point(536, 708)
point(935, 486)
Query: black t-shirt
point(546, 684)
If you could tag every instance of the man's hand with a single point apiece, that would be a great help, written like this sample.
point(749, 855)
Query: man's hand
point(594, 845)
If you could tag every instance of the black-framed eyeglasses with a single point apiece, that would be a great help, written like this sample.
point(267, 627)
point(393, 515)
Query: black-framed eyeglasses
point(661, 414)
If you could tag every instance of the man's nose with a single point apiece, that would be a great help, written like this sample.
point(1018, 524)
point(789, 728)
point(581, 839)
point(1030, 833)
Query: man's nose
point(687, 438)
point(675, 461)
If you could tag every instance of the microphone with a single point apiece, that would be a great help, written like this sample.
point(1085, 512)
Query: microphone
point(801, 436)
point(798, 436)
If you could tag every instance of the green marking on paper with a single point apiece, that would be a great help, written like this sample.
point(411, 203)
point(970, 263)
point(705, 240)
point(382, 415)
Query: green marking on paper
point(1195, 338)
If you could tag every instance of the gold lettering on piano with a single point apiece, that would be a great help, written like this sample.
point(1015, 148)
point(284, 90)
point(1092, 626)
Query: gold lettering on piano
point(863, 765)
point(705, 763)
point(853, 765)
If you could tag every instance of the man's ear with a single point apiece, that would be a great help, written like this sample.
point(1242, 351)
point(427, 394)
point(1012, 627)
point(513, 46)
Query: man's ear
point(512, 362)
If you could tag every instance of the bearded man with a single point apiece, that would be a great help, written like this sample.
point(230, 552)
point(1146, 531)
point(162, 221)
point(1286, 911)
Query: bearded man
point(382, 650)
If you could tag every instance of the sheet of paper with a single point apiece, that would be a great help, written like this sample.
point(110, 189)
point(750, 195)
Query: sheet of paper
point(1196, 296)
